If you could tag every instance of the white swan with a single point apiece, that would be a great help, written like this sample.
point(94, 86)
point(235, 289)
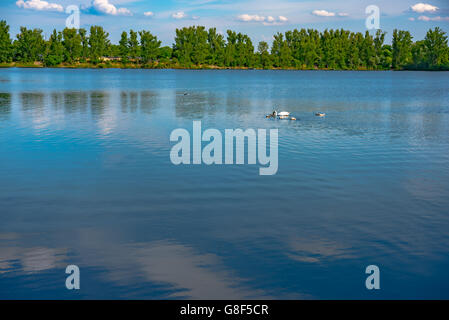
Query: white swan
point(280, 115)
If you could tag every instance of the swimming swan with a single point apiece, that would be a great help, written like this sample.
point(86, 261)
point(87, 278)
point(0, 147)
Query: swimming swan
point(280, 115)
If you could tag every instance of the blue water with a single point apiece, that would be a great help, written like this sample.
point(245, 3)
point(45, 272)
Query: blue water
point(86, 179)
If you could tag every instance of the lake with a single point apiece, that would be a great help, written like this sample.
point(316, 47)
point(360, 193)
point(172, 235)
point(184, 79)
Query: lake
point(86, 179)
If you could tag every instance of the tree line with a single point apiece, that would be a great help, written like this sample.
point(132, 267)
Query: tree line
point(197, 47)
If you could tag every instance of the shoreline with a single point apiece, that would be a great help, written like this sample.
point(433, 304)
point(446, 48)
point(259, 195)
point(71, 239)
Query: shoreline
point(106, 65)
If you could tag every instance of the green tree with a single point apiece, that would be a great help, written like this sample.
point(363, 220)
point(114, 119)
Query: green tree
point(84, 44)
point(378, 49)
point(98, 43)
point(113, 50)
point(436, 45)
point(29, 46)
point(328, 57)
point(354, 60)
point(341, 43)
point(387, 56)
point(123, 47)
point(216, 48)
point(402, 48)
point(149, 46)
point(165, 53)
point(311, 50)
point(368, 51)
point(244, 51)
point(230, 49)
point(264, 56)
point(183, 46)
point(419, 55)
point(281, 52)
point(191, 45)
point(55, 50)
point(5, 42)
point(200, 47)
point(133, 45)
point(72, 45)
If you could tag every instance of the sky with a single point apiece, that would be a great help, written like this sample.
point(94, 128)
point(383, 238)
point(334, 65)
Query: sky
point(260, 19)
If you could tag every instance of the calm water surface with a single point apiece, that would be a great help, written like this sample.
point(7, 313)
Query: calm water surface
point(86, 179)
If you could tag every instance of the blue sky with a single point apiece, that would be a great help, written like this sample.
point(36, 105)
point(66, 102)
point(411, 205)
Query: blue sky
point(260, 19)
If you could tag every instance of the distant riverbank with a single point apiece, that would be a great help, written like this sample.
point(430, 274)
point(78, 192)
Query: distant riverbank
point(195, 47)
point(119, 65)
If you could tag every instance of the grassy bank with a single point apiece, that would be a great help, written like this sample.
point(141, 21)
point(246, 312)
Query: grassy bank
point(158, 65)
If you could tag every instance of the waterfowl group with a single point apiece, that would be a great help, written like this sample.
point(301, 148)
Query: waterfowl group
point(271, 115)
point(285, 115)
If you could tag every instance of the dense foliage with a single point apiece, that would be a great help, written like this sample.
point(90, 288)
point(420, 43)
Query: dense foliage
point(196, 47)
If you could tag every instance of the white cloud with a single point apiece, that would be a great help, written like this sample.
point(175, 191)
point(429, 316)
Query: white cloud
point(148, 14)
point(424, 7)
point(411, 19)
point(269, 20)
point(283, 19)
point(179, 15)
point(248, 17)
point(438, 18)
point(39, 5)
point(124, 11)
point(182, 15)
point(108, 8)
point(424, 18)
point(323, 13)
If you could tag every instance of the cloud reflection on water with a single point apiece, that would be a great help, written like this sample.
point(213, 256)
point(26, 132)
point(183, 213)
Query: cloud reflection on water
point(180, 268)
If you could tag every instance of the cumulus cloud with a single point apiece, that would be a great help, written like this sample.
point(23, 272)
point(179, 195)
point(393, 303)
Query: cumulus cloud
point(268, 20)
point(283, 19)
point(423, 7)
point(39, 5)
point(105, 7)
point(323, 13)
point(182, 15)
point(179, 15)
point(148, 14)
point(438, 18)
point(251, 17)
